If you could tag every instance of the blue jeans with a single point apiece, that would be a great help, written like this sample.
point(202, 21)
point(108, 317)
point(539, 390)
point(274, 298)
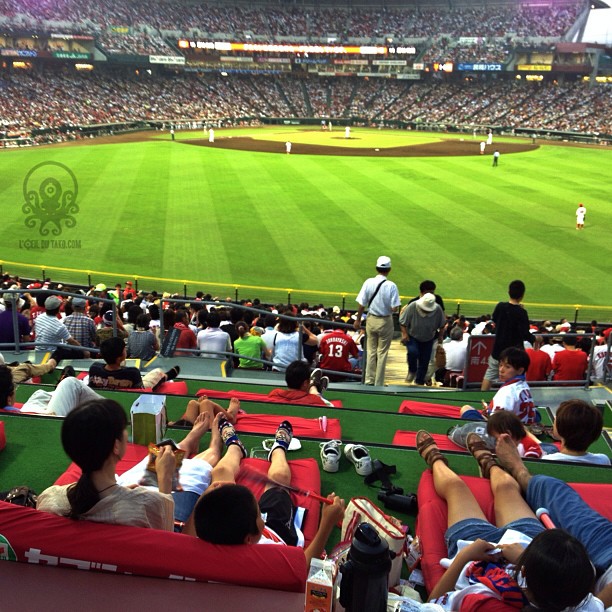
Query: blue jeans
point(570, 512)
point(419, 354)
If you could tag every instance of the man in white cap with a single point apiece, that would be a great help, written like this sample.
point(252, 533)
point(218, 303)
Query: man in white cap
point(420, 323)
point(50, 330)
point(381, 297)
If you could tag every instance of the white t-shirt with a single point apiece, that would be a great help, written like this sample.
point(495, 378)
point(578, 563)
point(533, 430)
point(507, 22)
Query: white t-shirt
point(597, 458)
point(515, 397)
point(456, 352)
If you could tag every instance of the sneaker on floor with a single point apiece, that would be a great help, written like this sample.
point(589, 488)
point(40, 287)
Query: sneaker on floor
point(282, 438)
point(330, 455)
point(359, 456)
point(410, 378)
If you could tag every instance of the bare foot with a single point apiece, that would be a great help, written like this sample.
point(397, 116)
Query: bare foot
point(215, 435)
point(202, 423)
point(191, 443)
point(232, 411)
point(509, 458)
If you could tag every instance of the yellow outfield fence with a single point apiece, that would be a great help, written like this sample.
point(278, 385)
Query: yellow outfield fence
point(584, 313)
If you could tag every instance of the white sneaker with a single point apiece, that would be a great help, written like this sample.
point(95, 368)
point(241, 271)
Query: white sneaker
point(330, 455)
point(359, 456)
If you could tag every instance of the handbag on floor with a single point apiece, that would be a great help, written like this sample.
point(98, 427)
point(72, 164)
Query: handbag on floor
point(389, 528)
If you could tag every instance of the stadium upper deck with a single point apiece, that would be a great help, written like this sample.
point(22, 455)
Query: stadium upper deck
point(270, 22)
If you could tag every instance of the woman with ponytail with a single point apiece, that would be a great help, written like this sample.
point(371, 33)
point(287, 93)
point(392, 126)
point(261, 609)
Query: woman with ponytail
point(94, 436)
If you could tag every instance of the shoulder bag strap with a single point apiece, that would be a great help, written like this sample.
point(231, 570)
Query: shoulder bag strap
point(376, 292)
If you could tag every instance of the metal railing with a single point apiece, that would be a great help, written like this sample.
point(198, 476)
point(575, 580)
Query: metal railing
point(279, 295)
point(18, 344)
point(261, 312)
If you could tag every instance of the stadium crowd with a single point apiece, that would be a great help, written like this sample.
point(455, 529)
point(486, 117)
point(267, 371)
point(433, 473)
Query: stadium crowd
point(202, 319)
point(135, 44)
point(445, 50)
point(313, 23)
point(38, 100)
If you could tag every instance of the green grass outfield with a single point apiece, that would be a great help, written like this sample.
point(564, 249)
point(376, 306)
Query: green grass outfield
point(301, 222)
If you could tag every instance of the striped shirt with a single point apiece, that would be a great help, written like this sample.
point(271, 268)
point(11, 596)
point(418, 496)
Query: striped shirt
point(49, 329)
point(138, 507)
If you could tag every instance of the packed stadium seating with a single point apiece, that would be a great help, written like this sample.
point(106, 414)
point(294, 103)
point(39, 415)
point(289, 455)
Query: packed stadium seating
point(61, 100)
point(54, 97)
point(312, 23)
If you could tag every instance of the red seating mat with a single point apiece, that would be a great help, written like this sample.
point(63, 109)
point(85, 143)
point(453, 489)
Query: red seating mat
point(304, 474)
point(253, 397)
point(432, 517)
point(302, 427)
point(429, 409)
point(408, 438)
point(47, 539)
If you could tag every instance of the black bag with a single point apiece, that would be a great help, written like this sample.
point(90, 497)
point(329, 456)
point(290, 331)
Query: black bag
point(20, 496)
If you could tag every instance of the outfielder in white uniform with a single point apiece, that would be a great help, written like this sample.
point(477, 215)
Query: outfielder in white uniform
point(580, 215)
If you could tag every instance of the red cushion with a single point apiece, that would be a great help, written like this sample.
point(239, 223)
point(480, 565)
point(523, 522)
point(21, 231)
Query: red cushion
point(408, 438)
point(47, 539)
point(304, 474)
point(428, 409)
point(253, 397)
point(133, 454)
point(2, 436)
point(302, 427)
point(431, 530)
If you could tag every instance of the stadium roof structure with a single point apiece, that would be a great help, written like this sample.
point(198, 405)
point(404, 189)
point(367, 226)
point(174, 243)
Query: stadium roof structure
point(390, 4)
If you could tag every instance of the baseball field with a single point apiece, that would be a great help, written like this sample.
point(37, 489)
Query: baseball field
point(242, 212)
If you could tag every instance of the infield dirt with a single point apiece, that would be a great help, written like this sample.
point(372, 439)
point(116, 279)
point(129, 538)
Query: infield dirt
point(444, 148)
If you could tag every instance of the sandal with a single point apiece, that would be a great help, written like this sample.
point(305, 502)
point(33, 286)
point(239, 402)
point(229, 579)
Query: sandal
point(428, 449)
point(485, 458)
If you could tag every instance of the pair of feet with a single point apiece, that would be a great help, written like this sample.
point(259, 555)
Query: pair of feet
point(507, 454)
point(282, 437)
point(318, 381)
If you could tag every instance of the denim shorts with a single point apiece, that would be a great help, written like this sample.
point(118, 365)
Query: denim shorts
point(184, 503)
point(474, 528)
point(472, 415)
